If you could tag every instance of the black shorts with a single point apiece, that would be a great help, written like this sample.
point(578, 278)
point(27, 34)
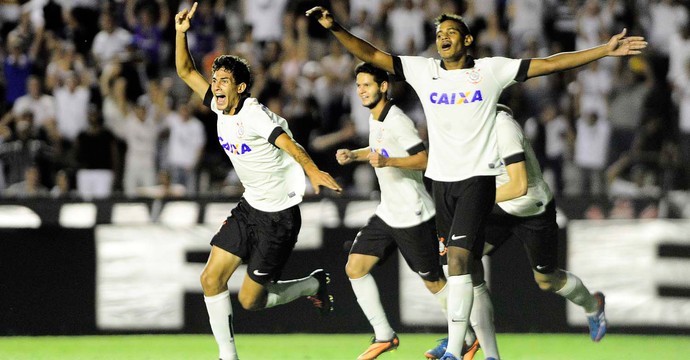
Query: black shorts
point(462, 208)
point(539, 235)
point(263, 240)
point(418, 245)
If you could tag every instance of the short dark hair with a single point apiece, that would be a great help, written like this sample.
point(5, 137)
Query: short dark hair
point(379, 75)
point(464, 29)
point(238, 66)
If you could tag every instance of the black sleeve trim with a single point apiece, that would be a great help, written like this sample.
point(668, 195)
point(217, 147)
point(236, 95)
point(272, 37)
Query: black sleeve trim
point(274, 135)
point(515, 158)
point(208, 97)
point(398, 69)
point(416, 149)
point(522, 71)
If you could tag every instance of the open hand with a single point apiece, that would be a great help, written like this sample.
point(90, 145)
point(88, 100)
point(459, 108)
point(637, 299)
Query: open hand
point(322, 15)
point(619, 45)
point(183, 19)
point(322, 178)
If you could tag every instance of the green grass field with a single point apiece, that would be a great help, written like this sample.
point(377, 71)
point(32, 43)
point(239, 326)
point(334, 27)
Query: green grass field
point(337, 346)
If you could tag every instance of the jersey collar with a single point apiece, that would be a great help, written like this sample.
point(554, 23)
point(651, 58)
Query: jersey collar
point(385, 110)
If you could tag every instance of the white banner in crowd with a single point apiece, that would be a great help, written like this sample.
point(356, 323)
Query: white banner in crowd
point(622, 258)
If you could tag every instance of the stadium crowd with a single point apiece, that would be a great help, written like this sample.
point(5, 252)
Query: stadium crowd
point(90, 106)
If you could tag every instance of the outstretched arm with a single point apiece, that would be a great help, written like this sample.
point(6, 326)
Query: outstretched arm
point(183, 59)
point(358, 47)
point(317, 177)
point(619, 45)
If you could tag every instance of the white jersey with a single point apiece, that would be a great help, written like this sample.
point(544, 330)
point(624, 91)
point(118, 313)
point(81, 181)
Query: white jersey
point(514, 147)
point(272, 179)
point(404, 199)
point(460, 108)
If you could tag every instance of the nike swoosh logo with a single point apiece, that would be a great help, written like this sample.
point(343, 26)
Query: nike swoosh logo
point(541, 267)
point(454, 237)
point(423, 273)
point(257, 273)
point(453, 320)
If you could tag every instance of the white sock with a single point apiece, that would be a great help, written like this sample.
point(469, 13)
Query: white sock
point(460, 297)
point(442, 298)
point(575, 291)
point(282, 292)
point(367, 294)
point(482, 319)
point(220, 317)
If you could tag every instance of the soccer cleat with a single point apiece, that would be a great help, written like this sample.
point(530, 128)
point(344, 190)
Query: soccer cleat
point(379, 347)
point(597, 322)
point(322, 300)
point(469, 351)
point(448, 356)
point(438, 351)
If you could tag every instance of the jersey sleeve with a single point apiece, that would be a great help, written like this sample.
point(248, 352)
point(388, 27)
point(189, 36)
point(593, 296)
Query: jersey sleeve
point(507, 71)
point(406, 134)
point(266, 124)
point(414, 68)
point(510, 139)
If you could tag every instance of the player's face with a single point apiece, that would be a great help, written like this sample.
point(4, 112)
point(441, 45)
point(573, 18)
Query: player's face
point(226, 90)
point(450, 42)
point(368, 90)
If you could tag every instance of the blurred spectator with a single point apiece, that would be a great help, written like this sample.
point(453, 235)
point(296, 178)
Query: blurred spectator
point(493, 37)
point(21, 150)
point(666, 19)
point(207, 22)
point(405, 21)
point(632, 85)
point(592, 89)
point(591, 151)
point(64, 61)
point(558, 138)
point(629, 179)
point(29, 187)
point(148, 20)
point(679, 54)
point(17, 66)
point(62, 189)
point(265, 18)
point(97, 158)
point(592, 25)
point(40, 104)
point(71, 105)
point(141, 128)
point(526, 23)
point(111, 42)
point(186, 140)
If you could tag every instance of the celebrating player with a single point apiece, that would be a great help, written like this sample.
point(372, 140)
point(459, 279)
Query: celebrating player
point(262, 230)
point(405, 216)
point(525, 210)
point(459, 96)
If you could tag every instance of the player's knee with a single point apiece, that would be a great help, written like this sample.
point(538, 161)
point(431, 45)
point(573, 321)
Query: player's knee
point(211, 284)
point(434, 286)
point(355, 269)
point(251, 303)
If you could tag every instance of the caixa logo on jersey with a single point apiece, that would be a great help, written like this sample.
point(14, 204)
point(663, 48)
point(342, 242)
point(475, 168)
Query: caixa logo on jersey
point(237, 149)
point(381, 151)
point(456, 98)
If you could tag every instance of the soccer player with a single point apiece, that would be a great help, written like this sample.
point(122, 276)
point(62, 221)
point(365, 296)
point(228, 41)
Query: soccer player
point(405, 216)
point(525, 210)
point(459, 96)
point(262, 230)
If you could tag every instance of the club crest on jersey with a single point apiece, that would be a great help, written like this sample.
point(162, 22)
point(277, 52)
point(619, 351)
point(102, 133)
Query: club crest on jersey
point(240, 130)
point(474, 76)
point(237, 149)
point(456, 98)
point(379, 135)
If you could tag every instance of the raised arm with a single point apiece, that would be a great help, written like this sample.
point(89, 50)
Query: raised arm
point(619, 45)
point(317, 177)
point(360, 48)
point(183, 59)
